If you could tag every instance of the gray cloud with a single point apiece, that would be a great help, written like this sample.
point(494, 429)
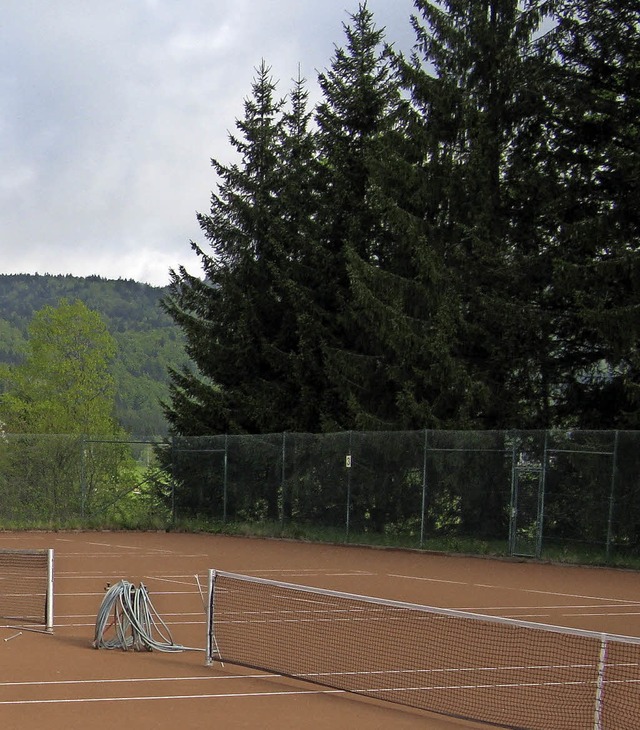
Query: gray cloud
point(110, 113)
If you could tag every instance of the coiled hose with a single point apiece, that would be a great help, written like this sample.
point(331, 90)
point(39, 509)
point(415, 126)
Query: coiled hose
point(127, 612)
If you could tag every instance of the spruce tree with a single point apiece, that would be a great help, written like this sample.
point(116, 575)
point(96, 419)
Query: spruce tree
point(472, 84)
point(301, 350)
point(594, 89)
point(232, 316)
point(385, 340)
point(355, 118)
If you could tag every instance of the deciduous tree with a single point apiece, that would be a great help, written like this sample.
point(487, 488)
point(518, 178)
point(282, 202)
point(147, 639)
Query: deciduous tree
point(64, 385)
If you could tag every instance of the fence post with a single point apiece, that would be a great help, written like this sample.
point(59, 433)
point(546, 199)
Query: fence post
point(173, 480)
point(83, 489)
point(614, 469)
point(541, 497)
point(283, 496)
point(513, 507)
point(225, 468)
point(424, 488)
point(348, 467)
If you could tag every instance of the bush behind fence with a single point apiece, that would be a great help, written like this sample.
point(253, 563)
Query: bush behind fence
point(530, 493)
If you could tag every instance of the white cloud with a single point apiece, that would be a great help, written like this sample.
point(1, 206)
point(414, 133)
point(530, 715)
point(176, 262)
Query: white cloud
point(110, 113)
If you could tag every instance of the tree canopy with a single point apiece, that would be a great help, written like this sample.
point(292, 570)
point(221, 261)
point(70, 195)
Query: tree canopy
point(64, 385)
point(448, 239)
point(148, 341)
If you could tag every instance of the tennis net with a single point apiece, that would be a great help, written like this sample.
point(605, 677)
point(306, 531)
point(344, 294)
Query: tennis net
point(26, 588)
point(502, 672)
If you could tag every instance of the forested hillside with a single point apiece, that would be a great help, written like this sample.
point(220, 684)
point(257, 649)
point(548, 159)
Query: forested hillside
point(147, 339)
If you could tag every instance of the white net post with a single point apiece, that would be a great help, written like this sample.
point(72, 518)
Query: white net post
point(49, 598)
point(210, 644)
point(602, 665)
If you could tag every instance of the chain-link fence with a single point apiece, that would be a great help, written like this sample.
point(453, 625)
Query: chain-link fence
point(529, 493)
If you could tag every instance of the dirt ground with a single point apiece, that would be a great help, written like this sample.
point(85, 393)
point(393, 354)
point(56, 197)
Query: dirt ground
point(78, 686)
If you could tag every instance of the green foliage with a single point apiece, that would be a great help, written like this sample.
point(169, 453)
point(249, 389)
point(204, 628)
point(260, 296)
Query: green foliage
point(474, 112)
point(64, 385)
point(147, 341)
point(386, 318)
point(241, 324)
point(454, 245)
point(594, 89)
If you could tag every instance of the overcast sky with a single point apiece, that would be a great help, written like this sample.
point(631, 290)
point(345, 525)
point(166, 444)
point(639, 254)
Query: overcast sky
point(110, 111)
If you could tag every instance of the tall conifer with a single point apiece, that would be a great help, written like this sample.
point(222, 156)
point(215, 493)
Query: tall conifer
point(387, 339)
point(471, 83)
point(595, 91)
point(232, 316)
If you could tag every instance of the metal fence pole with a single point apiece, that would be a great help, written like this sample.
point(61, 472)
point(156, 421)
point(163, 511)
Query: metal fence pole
point(173, 480)
point(614, 469)
point(283, 496)
point(225, 471)
point(348, 467)
point(541, 497)
point(424, 487)
point(83, 489)
point(513, 511)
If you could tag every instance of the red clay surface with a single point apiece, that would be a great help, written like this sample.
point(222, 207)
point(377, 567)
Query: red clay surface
point(60, 681)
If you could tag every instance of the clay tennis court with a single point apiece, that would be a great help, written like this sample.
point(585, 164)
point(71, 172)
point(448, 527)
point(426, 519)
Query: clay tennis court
point(60, 680)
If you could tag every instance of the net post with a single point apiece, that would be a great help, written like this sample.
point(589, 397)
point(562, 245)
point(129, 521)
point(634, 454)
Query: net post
point(49, 599)
point(210, 645)
point(602, 665)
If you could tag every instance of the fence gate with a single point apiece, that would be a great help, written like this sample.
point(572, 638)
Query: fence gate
point(527, 500)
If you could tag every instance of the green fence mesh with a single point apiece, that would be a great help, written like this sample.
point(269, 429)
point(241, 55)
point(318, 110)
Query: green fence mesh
point(520, 492)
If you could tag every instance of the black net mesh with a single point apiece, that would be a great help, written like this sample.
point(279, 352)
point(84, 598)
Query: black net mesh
point(497, 671)
point(25, 577)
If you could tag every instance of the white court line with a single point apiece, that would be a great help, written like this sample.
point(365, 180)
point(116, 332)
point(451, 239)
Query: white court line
point(192, 582)
point(608, 613)
point(89, 615)
point(285, 693)
point(74, 625)
point(431, 580)
point(76, 575)
point(128, 554)
point(510, 588)
point(155, 593)
point(230, 695)
point(355, 573)
point(552, 607)
point(132, 547)
point(306, 572)
point(141, 680)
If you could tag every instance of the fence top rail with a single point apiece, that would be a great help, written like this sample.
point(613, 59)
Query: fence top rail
point(580, 451)
point(453, 613)
point(468, 451)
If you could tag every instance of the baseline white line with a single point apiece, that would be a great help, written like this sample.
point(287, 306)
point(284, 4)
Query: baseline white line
point(230, 695)
point(134, 680)
point(281, 693)
point(553, 607)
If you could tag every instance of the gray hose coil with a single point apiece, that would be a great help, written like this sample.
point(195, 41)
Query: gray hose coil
point(136, 624)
